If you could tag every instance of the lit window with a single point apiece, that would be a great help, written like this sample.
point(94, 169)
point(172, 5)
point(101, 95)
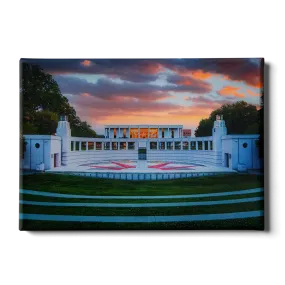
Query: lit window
point(143, 133)
point(153, 133)
point(134, 133)
point(90, 145)
point(162, 133)
point(115, 133)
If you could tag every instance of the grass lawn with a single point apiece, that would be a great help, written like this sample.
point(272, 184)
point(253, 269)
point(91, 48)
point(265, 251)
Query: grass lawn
point(77, 185)
point(237, 224)
point(94, 186)
point(29, 197)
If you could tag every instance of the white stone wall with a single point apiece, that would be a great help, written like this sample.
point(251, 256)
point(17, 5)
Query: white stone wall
point(243, 150)
point(48, 147)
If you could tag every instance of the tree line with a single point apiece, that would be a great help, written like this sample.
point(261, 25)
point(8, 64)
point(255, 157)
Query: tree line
point(240, 117)
point(42, 104)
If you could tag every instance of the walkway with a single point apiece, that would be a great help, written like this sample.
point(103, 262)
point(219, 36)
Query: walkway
point(142, 205)
point(142, 219)
point(50, 194)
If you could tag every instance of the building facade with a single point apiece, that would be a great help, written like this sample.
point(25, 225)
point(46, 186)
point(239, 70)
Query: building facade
point(143, 131)
point(146, 142)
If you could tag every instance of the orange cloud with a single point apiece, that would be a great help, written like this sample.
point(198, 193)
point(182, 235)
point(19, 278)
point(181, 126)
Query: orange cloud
point(151, 68)
point(230, 91)
point(86, 63)
point(199, 74)
point(85, 94)
point(252, 93)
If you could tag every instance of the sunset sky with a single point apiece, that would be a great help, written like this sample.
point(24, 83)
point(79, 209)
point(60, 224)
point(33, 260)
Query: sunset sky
point(153, 91)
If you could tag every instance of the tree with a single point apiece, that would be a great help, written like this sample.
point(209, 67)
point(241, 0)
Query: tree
point(42, 103)
point(205, 128)
point(240, 118)
point(23, 145)
point(46, 122)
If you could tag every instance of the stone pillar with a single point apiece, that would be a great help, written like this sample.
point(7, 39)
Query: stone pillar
point(196, 145)
point(219, 130)
point(63, 131)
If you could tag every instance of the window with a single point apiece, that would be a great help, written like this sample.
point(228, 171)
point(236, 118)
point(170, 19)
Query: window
point(162, 133)
point(172, 133)
point(134, 133)
point(114, 146)
point(131, 145)
point(115, 133)
point(123, 145)
point(37, 145)
point(72, 146)
point(211, 145)
point(193, 145)
point(153, 133)
point(169, 145)
point(124, 133)
point(206, 145)
point(143, 133)
point(77, 146)
point(99, 146)
point(200, 147)
point(177, 145)
point(106, 146)
point(185, 145)
point(162, 145)
point(83, 145)
point(90, 145)
point(153, 145)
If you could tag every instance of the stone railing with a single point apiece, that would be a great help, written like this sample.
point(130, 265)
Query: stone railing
point(97, 144)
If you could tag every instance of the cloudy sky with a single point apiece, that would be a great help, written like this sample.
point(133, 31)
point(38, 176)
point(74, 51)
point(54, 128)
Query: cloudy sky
point(153, 91)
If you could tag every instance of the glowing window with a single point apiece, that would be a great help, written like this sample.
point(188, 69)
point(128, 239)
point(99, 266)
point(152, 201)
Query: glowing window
point(134, 133)
point(143, 133)
point(90, 145)
point(115, 133)
point(153, 133)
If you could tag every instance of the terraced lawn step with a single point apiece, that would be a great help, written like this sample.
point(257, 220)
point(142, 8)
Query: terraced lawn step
point(141, 205)
point(142, 219)
point(60, 195)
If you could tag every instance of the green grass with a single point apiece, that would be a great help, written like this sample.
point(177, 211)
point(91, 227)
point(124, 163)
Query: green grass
point(29, 197)
point(77, 185)
point(153, 211)
point(236, 224)
point(93, 186)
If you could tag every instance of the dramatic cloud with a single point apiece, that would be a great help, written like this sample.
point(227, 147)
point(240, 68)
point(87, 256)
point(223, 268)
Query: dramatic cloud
point(252, 93)
point(153, 91)
point(188, 84)
point(108, 89)
point(246, 70)
point(146, 70)
point(231, 91)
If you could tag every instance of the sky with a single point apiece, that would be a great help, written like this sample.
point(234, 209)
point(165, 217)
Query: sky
point(153, 91)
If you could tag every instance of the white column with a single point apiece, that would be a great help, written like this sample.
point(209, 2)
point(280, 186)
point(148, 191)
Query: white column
point(203, 145)
point(196, 145)
point(86, 146)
